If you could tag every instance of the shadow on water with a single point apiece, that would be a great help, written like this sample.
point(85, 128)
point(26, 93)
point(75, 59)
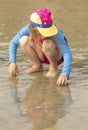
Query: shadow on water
point(43, 103)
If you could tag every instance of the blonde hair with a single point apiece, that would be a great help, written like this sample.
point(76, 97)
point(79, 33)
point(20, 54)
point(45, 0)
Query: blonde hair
point(33, 32)
point(35, 35)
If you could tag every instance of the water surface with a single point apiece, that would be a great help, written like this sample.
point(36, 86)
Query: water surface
point(32, 101)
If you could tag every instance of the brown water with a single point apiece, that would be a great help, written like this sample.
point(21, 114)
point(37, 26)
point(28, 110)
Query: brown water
point(32, 102)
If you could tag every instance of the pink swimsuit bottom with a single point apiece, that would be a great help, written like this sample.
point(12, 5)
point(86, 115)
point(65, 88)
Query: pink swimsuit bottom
point(46, 61)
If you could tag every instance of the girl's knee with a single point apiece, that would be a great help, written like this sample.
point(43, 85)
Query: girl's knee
point(24, 40)
point(48, 45)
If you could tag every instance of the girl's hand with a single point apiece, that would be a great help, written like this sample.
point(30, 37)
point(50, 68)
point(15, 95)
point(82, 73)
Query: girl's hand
point(13, 70)
point(62, 80)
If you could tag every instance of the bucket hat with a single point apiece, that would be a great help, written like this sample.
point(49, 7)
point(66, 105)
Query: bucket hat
point(42, 19)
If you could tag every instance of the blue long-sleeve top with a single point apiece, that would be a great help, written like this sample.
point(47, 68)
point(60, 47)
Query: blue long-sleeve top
point(58, 38)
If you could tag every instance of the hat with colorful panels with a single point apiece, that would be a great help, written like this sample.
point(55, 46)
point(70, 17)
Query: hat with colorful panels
point(42, 19)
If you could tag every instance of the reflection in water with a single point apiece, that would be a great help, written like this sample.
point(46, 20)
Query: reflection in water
point(44, 104)
point(13, 89)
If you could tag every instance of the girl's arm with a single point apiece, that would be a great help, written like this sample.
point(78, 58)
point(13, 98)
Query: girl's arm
point(66, 53)
point(15, 42)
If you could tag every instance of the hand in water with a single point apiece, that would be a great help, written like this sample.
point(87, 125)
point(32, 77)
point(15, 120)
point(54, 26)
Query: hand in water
point(13, 70)
point(62, 80)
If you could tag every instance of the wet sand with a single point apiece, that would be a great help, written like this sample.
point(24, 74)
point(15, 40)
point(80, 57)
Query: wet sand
point(32, 101)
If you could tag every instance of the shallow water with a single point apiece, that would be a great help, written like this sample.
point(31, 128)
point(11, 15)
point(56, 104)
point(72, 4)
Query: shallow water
point(32, 101)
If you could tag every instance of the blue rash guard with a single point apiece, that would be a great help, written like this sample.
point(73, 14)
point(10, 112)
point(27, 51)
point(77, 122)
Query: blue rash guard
point(58, 38)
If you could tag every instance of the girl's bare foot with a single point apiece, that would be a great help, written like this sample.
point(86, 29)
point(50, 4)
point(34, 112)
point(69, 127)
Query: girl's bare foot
point(33, 69)
point(52, 73)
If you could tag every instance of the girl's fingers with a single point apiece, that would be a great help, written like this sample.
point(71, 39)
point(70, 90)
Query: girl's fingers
point(62, 81)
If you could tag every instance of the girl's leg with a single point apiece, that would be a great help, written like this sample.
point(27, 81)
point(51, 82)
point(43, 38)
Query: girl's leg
point(52, 52)
point(29, 49)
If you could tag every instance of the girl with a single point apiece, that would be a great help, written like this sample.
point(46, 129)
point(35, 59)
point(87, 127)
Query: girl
point(42, 42)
